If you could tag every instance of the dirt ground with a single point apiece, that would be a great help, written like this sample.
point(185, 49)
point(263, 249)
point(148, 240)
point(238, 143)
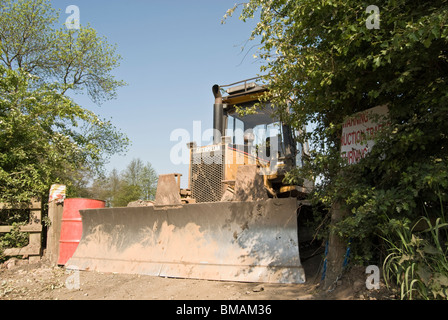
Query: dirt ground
point(20, 280)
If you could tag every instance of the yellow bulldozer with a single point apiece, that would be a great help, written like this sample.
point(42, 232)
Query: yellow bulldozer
point(236, 221)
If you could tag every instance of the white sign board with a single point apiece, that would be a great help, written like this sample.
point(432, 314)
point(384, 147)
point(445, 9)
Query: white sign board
point(358, 133)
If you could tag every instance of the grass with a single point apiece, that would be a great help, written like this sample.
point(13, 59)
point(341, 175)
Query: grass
point(417, 260)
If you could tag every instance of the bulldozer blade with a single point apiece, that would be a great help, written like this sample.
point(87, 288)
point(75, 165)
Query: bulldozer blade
point(253, 241)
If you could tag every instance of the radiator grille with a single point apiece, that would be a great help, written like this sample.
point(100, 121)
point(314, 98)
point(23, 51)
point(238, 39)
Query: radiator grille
point(207, 173)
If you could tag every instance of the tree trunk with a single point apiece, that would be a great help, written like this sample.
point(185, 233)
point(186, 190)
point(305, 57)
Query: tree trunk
point(337, 247)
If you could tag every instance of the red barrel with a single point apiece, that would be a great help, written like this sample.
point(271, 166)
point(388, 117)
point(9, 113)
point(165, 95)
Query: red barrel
point(71, 226)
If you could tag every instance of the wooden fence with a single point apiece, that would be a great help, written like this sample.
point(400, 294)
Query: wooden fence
point(34, 249)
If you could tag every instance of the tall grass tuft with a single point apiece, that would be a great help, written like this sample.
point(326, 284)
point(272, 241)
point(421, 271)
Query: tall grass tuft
point(417, 260)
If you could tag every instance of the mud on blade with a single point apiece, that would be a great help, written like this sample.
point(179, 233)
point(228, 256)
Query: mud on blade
point(253, 241)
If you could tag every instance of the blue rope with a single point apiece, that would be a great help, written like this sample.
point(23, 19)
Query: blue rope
point(346, 258)
point(347, 254)
point(324, 269)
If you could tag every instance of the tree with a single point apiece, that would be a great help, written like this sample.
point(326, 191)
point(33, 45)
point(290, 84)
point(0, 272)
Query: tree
point(327, 60)
point(45, 136)
point(148, 182)
point(79, 60)
point(127, 193)
point(144, 177)
point(137, 182)
point(105, 187)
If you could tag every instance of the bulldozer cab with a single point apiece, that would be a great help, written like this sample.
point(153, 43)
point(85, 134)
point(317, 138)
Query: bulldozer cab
point(263, 136)
point(246, 132)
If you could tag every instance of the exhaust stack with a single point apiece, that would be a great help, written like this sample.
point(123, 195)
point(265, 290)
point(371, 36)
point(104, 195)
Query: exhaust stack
point(218, 115)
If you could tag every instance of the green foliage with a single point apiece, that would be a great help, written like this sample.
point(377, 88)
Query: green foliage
point(417, 262)
point(10, 216)
point(75, 59)
point(127, 193)
point(46, 137)
point(137, 182)
point(321, 57)
point(13, 239)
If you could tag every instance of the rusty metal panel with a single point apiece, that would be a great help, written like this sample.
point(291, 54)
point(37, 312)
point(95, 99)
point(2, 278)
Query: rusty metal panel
point(252, 241)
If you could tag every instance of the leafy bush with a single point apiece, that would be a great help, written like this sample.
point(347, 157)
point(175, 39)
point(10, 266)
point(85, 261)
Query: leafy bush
point(13, 239)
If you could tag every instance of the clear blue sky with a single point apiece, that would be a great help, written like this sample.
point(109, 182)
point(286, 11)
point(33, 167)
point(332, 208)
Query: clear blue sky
point(173, 52)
